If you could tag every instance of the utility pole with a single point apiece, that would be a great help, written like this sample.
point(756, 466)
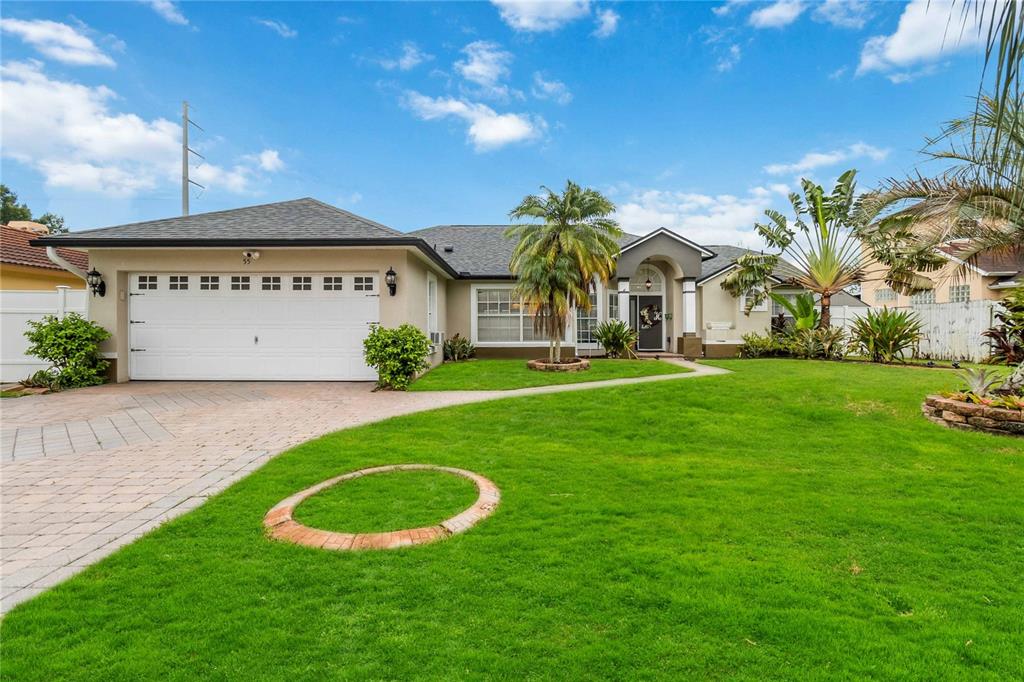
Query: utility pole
point(185, 151)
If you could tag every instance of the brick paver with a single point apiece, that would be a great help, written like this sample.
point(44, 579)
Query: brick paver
point(281, 525)
point(85, 472)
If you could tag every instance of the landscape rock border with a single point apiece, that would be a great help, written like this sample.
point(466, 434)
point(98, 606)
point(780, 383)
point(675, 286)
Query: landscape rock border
point(958, 414)
point(576, 365)
point(281, 525)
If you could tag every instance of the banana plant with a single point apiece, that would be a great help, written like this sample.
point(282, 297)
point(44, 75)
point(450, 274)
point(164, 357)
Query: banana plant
point(802, 309)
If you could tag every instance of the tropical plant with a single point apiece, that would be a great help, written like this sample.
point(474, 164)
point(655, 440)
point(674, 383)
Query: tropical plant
point(458, 348)
point(557, 260)
point(827, 343)
point(980, 382)
point(763, 346)
point(1007, 337)
point(397, 354)
point(616, 337)
point(978, 200)
point(43, 378)
point(886, 335)
point(801, 308)
point(820, 243)
point(72, 347)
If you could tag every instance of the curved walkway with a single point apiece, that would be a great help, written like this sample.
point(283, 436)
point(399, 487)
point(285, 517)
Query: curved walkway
point(88, 471)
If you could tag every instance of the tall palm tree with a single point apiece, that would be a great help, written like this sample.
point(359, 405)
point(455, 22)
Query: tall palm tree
point(557, 259)
point(823, 248)
point(979, 198)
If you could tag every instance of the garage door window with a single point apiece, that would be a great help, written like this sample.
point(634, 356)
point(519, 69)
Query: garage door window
point(147, 282)
point(179, 283)
point(363, 283)
point(209, 283)
point(332, 283)
point(240, 283)
point(302, 283)
point(271, 284)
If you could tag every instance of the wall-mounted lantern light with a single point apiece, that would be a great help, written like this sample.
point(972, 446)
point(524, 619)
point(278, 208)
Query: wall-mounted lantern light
point(391, 279)
point(96, 283)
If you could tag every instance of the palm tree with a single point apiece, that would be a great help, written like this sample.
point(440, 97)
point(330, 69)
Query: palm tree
point(825, 252)
point(979, 198)
point(557, 260)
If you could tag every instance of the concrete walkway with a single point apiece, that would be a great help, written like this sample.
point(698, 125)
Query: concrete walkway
point(88, 471)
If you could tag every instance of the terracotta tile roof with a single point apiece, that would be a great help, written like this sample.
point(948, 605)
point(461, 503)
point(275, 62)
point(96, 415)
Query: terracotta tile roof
point(996, 263)
point(15, 249)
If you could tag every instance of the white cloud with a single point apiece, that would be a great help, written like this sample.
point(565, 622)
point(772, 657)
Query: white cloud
point(556, 91)
point(541, 15)
point(704, 218)
point(843, 13)
point(926, 31)
point(777, 14)
point(838, 73)
point(169, 11)
point(411, 57)
point(607, 23)
point(488, 130)
point(729, 60)
point(57, 41)
point(814, 160)
point(486, 64)
point(270, 160)
point(67, 132)
point(279, 27)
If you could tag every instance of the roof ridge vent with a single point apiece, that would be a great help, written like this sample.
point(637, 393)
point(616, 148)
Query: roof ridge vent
point(448, 248)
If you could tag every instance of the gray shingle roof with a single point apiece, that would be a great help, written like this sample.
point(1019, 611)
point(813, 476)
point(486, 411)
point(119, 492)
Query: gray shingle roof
point(481, 250)
point(286, 220)
point(727, 255)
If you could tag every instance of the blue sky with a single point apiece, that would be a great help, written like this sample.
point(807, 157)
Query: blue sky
point(695, 116)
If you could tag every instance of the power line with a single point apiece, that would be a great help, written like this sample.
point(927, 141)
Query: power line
point(185, 151)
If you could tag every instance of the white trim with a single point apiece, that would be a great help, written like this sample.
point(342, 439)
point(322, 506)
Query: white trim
point(669, 233)
point(570, 328)
point(708, 278)
point(689, 303)
point(432, 279)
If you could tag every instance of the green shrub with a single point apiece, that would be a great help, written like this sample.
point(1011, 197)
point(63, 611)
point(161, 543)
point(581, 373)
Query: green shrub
point(829, 343)
point(397, 354)
point(458, 348)
point(886, 334)
point(44, 378)
point(1007, 337)
point(616, 337)
point(71, 346)
point(763, 346)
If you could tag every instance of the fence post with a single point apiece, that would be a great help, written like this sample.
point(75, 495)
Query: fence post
point(62, 300)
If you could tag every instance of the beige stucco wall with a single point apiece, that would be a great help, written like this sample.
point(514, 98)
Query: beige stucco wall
point(716, 305)
point(408, 305)
point(944, 278)
point(459, 297)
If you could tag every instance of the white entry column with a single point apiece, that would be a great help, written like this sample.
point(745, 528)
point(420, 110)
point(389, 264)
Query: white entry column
point(624, 300)
point(689, 306)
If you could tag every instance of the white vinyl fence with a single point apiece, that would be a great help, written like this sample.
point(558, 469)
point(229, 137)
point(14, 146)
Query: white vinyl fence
point(952, 331)
point(17, 308)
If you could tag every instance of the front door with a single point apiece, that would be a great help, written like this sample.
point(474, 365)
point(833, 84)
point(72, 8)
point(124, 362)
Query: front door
point(648, 321)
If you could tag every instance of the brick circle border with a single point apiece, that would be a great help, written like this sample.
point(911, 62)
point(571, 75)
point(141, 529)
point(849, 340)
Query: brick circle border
point(575, 365)
point(281, 525)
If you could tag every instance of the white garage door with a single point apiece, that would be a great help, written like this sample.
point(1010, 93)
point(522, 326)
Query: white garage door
point(275, 326)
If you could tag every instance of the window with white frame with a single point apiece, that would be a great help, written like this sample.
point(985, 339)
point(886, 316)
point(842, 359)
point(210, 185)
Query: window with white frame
point(362, 283)
point(761, 307)
point(638, 283)
point(884, 294)
point(923, 297)
point(431, 305)
point(209, 283)
point(779, 309)
point(332, 283)
point(613, 305)
point(501, 317)
point(178, 283)
point(960, 293)
point(303, 283)
point(147, 282)
point(270, 283)
point(240, 283)
point(586, 322)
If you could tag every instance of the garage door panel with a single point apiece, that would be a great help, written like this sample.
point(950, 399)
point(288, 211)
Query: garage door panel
point(256, 334)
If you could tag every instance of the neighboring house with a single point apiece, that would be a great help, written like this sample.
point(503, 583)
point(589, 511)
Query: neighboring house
point(24, 267)
point(289, 290)
point(986, 280)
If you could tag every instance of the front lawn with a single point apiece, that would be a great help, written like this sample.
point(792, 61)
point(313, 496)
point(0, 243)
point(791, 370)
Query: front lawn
point(492, 375)
point(792, 520)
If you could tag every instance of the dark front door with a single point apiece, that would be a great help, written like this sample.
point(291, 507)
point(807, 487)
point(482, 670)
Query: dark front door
point(648, 320)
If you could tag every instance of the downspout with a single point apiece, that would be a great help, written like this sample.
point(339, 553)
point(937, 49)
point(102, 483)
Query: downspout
point(51, 253)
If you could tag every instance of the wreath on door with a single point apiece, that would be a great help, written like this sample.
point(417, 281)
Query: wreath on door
point(650, 315)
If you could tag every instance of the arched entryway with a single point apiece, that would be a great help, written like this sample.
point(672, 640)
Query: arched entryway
point(648, 307)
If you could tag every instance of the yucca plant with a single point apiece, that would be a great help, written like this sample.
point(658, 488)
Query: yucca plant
point(616, 337)
point(885, 335)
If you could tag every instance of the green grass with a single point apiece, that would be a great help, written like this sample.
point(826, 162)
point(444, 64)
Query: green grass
point(793, 520)
point(390, 501)
point(491, 375)
point(12, 394)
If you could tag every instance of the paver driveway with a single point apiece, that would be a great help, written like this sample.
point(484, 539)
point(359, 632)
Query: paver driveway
point(88, 471)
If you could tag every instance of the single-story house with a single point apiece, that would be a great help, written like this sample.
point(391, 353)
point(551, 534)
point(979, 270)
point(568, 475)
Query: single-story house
point(288, 291)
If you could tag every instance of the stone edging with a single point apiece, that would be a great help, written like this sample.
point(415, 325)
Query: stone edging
point(578, 365)
point(281, 525)
point(972, 417)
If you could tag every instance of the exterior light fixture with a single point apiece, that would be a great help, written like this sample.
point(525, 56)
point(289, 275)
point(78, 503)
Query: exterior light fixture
point(648, 284)
point(391, 279)
point(96, 284)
